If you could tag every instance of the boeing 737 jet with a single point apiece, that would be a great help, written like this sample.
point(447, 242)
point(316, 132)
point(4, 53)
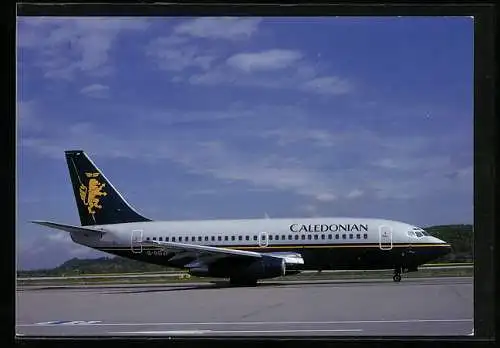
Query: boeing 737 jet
point(244, 251)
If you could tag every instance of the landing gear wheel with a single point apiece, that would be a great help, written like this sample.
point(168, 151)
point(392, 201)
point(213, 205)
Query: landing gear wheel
point(397, 274)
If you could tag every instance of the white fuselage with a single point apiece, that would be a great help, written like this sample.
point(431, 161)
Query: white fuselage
point(263, 233)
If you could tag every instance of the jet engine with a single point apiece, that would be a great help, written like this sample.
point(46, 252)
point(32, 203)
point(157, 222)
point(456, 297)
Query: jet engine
point(262, 268)
point(266, 267)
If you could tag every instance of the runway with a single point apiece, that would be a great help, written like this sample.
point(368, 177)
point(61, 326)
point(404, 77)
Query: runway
point(413, 307)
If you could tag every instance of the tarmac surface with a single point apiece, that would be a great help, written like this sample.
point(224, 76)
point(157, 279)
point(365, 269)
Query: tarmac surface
point(413, 307)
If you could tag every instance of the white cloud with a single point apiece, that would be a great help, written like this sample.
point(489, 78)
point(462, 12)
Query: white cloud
point(310, 209)
point(66, 46)
point(32, 253)
point(422, 165)
point(328, 85)
point(265, 60)
point(325, 197)
point(219, 28)
point(323, 165)
point(95, 91)
point(355, 193)
point(286, 136)
point(203, 157)
point(170, 55)
point(271, 70)
point(290, 80)
point(26, 116)
point(274, 68)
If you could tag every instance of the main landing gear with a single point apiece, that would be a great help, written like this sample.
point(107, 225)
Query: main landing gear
point(397, 275)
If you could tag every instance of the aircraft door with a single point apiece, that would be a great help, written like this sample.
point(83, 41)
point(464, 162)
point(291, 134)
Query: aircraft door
point(136, 241)
point(385, 237)
point(263, 240)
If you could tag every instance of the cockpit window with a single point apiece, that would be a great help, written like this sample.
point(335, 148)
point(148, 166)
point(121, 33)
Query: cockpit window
point(411, 233)
point(419, 232)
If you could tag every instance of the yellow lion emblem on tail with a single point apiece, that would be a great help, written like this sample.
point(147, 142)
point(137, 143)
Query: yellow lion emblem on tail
point(90, 195)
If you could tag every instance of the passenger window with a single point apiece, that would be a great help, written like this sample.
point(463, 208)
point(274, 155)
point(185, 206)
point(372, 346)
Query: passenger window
point(160, 239)
point(315, 236)
point(186, 239)
point(270, 237)
point(226, 238)
point(290, 237)
point(219, 238)
point(358, 236)
point(233, 237)
point(309, 237)
point(154, 238)
point(213, 238)
point(247, 237)
point(329, 236)
point(365, 236)
point(199, 238)
point(206, 238)
point(277, 237)
point(336, 236)
point(147, 238)
point(173, 239)
point(192, 239)
point(296, 237)
point(254, 237)
point(303, 237)
point(240, 237)
point(322, 236)
point(350, 236)
point(343, 236)
point(283, 237)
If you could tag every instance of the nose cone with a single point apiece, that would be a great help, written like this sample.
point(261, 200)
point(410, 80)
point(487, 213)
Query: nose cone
point(445, 248)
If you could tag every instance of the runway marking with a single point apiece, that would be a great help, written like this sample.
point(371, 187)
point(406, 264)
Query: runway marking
point(179, 332)
point(96, 323)
point(231, 331)
point(69, 322)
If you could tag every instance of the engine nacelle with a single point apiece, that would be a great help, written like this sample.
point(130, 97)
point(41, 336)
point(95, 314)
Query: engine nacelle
point(262, 268)
point(266, 267)
point(200, 272)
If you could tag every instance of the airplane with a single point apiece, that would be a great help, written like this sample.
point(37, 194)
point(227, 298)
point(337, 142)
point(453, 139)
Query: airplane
point(244, 250)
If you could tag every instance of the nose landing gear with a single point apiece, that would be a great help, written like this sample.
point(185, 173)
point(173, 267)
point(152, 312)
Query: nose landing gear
point(397, 275)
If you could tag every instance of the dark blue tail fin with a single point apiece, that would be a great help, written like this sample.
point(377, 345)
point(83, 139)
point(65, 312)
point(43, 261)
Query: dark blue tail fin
point(98, 202)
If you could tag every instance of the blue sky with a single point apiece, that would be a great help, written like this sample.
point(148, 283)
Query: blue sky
point(201, 118)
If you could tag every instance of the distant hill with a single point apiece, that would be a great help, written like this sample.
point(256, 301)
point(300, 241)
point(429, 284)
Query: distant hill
point(101, 265)
point(460, 237)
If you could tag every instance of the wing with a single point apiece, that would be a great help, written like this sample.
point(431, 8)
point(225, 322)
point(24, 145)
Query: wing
point(198, 255)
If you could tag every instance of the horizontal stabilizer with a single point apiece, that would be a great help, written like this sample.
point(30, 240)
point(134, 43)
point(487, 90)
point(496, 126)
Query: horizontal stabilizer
point(67, 228)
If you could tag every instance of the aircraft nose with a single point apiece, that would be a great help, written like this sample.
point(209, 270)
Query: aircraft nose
point(446, 248)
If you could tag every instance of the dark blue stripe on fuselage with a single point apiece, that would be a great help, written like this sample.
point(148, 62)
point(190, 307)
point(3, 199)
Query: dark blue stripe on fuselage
point(322, 257)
